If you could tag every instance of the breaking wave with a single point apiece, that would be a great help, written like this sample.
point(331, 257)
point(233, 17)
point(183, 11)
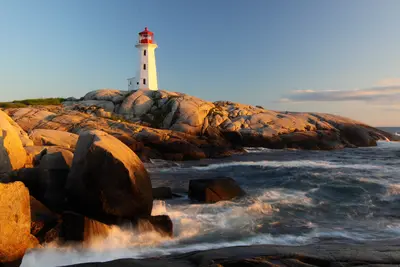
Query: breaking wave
point(288, 164)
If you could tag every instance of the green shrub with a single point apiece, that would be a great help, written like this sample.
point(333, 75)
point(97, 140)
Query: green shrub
point(32, 102)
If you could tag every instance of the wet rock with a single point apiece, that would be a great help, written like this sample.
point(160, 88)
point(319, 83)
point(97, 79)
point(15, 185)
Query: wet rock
point(357, 135)
point(162, 193)
point(12, 153)
point(325, 140)
point(46, 137)
point(43, 220)
point(161, 224)
point(107, 179)
point(15, 222)
point(78, 228)
point(214, 190)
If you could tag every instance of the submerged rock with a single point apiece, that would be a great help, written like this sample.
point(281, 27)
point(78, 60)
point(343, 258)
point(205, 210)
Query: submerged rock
point(162, 193)
point(78, 228)
point(214, 190)
point(107, 179)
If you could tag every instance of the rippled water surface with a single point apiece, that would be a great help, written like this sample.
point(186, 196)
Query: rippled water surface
point(294, 197)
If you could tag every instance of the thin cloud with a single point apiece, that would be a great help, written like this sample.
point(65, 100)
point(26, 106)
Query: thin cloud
point(389, 82)
point(382, 95)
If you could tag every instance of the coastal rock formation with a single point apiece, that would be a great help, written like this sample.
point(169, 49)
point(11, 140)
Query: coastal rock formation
point(107, 179)
point(12, 153)
point(214, 190)
point(15, 222)
point(251, 126)
point(176, 126)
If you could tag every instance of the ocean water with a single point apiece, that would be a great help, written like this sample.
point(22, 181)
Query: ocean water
point(293, 197)
point(394, 130)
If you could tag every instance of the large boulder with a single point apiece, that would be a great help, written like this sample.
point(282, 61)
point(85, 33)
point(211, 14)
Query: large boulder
point(22, 134)
point(15, 222)
point(214, 190)
point(12, 153)
point(107, 179)
point(54, 169)
point(46, 137)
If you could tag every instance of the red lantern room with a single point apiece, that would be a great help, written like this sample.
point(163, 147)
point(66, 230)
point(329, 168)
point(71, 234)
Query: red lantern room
point(146, 37)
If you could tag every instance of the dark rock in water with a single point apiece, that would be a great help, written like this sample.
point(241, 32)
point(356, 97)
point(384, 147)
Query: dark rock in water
point(42, 219)
point(356, 135)
point(214, 190)
point(161, 224)
point(162, 193)
point(78, 228)
point(325, 140)
point(15, 222)
point(107, 179)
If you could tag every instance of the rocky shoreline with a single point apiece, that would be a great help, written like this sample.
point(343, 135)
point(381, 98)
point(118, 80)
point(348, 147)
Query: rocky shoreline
point(369, 254)
point(69, 173)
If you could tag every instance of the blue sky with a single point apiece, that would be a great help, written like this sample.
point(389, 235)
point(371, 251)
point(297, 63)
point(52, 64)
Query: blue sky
point(339, 56)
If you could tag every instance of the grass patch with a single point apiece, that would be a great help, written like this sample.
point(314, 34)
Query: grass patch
point(32, 102)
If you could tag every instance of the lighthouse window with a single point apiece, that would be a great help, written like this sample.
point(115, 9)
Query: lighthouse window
point(144, 52)
point(144, 81)
point(144, 66)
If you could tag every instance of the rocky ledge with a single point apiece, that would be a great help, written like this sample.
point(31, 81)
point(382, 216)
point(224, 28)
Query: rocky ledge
point(372, 254)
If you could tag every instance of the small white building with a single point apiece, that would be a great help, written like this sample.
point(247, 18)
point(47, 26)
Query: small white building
point(146, 77)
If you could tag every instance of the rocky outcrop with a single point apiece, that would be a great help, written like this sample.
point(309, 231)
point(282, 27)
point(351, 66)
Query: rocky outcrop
point(12, 153)
point(176, 126)
point(15, 222)
point(214, 190)
point(107, 180)
point(251, 125)
point(46, 137)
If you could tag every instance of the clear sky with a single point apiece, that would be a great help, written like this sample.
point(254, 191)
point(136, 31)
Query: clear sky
point(339, 56)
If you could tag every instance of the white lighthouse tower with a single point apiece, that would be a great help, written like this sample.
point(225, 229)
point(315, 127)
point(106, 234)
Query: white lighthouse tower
point(146, 77)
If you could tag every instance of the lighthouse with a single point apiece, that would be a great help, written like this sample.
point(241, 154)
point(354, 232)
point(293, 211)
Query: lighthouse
point(146, 77)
